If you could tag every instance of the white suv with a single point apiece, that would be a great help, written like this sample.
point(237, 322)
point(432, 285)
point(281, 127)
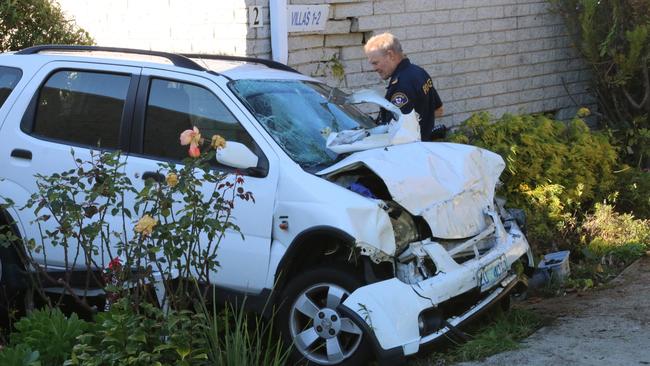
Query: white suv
point(434, 247)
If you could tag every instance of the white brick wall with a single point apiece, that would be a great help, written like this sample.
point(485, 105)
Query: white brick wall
point(496, 55)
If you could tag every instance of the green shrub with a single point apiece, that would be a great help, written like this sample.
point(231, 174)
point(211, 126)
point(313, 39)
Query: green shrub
point(610, 241)
point(25, 23)
point(124, 336)
point(614, 38)
point(633, 192)
point(20, 355)
point(50, 333)
point(606, 231)
point(553, 168)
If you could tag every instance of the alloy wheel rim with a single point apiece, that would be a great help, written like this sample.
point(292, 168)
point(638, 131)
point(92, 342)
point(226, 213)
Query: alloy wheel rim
point(318, 331)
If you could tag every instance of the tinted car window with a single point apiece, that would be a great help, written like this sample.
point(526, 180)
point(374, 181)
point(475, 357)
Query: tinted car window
point(9, 77)
point(174, 107)
point(82, 107)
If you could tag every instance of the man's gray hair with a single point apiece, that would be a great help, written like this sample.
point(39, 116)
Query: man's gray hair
point(383, 42)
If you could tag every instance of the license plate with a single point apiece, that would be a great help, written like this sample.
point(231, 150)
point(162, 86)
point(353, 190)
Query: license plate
point(494, 272)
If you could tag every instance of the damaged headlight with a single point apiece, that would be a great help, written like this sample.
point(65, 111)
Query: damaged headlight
point(404, 227)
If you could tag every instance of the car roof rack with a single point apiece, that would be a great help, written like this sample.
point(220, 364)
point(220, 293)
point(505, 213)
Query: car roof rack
point(176, 59)
point(268, 63)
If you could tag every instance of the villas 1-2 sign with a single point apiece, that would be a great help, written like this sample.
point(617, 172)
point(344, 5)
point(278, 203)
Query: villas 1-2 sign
point(307, 18)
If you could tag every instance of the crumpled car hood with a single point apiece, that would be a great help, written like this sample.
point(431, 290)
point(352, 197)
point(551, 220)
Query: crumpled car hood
point(449, 185)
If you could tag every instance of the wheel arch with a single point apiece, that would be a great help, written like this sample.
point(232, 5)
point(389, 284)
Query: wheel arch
point(315, 245)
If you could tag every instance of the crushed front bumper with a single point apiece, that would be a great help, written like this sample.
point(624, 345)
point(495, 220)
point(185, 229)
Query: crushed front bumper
point(391, 311)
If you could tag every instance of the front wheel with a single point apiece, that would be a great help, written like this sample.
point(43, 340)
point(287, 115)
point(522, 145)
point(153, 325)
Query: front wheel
point(309, 318)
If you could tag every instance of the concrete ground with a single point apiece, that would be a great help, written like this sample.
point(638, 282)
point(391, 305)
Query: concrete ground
point(609, 326)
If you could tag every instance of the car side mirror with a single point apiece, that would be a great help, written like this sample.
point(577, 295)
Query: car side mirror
point(236, 155)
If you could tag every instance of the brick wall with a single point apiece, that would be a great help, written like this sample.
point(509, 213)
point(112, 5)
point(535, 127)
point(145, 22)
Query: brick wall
point(496, 55)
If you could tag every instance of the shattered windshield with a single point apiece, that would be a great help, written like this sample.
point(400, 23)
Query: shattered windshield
point(299, 115)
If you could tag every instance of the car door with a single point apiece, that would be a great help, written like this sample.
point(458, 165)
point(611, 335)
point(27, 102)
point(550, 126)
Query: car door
point(66, 106)
point(169, 103)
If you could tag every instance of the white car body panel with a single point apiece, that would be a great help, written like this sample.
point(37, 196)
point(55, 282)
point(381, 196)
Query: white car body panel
point(391, 307)
point(449, 185)
point(48, 157)
point(304, 199)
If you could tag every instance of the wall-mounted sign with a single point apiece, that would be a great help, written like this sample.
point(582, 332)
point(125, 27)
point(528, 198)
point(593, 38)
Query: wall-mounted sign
point(255, 17)
point(307, 18)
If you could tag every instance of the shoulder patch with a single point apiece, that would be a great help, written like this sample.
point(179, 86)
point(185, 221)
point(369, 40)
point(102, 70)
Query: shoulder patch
point(399, 99)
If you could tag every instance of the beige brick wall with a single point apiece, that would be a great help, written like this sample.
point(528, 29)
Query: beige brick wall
point(496, 55)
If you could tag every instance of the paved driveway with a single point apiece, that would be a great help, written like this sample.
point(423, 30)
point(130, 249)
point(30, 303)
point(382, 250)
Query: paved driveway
point(610, 326)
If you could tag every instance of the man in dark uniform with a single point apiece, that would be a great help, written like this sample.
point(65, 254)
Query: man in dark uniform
point(410, 86)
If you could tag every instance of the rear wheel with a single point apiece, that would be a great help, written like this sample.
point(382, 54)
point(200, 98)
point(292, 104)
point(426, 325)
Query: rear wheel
point(309, 318)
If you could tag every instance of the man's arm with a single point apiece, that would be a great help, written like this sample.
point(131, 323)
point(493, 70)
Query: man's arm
point(439, 112)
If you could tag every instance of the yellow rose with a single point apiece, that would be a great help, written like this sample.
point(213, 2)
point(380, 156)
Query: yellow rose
point(218, 142)
point(172, 179)
point(583, 112)
point(145, 225)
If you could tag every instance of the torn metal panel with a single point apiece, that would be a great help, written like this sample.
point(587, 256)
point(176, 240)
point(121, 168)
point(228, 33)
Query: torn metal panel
point(392, 308)
point(449, 185)
point(401, 131)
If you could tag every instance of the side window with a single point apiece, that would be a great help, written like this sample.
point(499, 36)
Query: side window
point(9, 77)
point(174, 107)
point(82, 107)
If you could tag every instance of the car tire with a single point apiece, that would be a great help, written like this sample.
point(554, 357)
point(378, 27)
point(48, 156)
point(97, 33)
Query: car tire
point(309, 321)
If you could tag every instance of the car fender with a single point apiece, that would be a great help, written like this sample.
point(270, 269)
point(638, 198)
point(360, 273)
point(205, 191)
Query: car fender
point(14, 192)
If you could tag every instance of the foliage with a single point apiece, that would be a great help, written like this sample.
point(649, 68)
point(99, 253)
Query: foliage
point(24, 23)
point(148, 336)
point(501, 332)
point(50, 332)
point(614, 38)
point(86, 210)
point(610, 241)
point(336, 67)
point(605, 229)
point(553, 168)
point(633, 195)
point(235, 339)
point(20, 355)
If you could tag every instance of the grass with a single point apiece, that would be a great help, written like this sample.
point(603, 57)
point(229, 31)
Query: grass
point(498, 332)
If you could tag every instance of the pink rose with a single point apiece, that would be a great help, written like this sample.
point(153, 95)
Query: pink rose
point(191, 137)
point(194, 151)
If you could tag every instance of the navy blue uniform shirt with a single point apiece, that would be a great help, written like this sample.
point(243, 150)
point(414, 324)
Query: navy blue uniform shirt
point(410, 87)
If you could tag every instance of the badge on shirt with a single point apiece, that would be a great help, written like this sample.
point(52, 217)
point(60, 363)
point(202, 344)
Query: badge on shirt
point(399, 99)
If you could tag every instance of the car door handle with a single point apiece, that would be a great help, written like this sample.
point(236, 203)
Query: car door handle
point(153, 175)
point(21, 154)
